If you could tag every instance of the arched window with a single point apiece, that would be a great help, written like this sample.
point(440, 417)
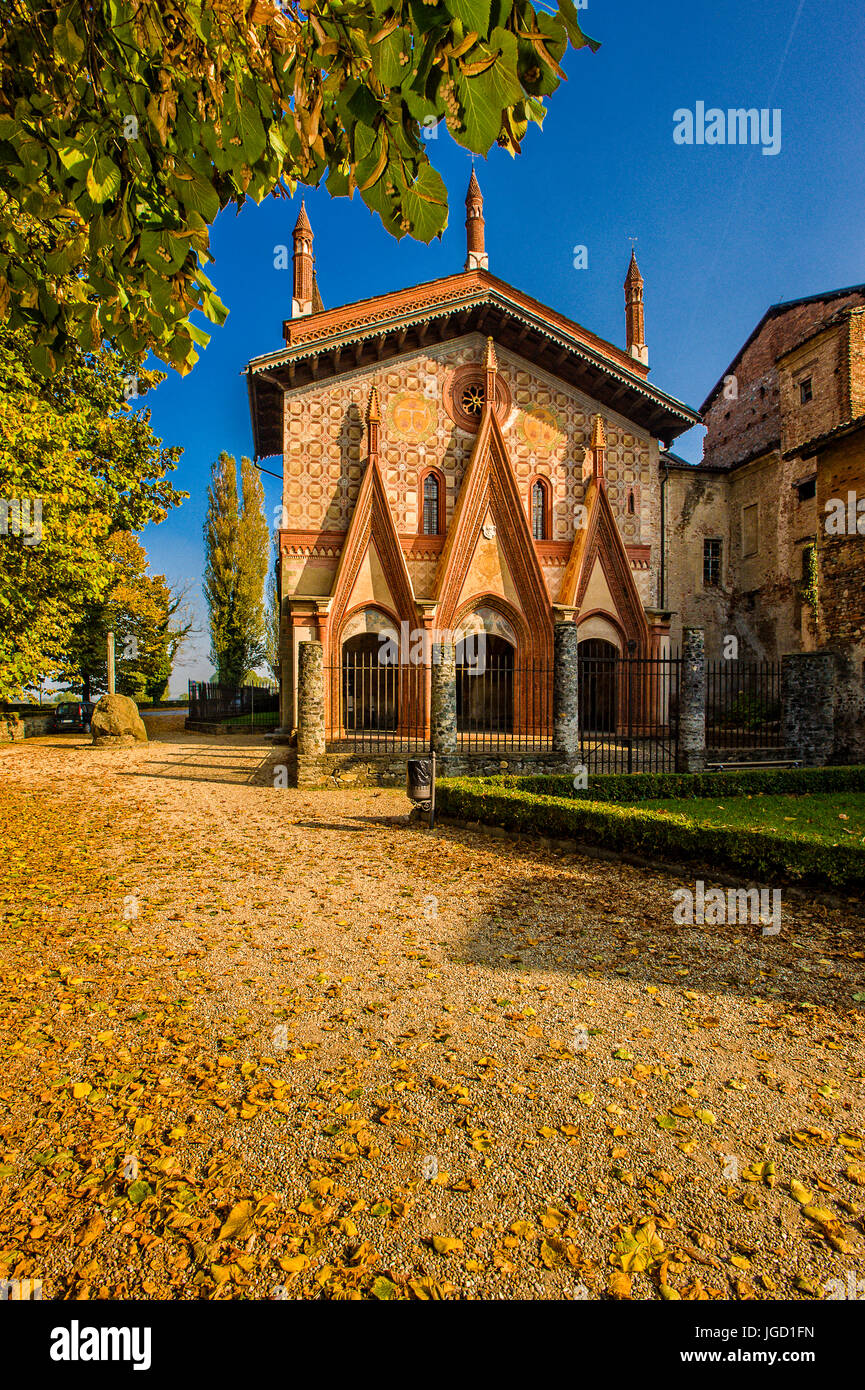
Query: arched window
point(631, 502)
point(539, 511)
point(431, 505)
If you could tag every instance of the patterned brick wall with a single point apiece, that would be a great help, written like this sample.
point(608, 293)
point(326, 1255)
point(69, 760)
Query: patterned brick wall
point(547, 431)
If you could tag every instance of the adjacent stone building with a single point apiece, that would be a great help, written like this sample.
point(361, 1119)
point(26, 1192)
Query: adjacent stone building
point(750, 547)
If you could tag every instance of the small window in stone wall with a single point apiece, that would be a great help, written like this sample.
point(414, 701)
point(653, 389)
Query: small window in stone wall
point(750, 529)
point(806, 391)
point(805, 491)
point(711, 563)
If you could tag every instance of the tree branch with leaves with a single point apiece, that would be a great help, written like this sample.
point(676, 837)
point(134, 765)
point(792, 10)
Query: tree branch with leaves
point(127, 125)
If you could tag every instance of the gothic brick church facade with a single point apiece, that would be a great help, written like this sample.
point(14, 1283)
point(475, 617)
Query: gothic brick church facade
point(459, 458)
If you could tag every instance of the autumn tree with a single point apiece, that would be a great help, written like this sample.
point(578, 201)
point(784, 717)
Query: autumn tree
point(237, 551)
point(77, 464)
point(126, 125)
point(271, 654)
point(149, 620)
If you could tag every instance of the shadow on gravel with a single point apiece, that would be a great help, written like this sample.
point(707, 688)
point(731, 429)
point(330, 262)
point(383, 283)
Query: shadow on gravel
point(596, 919)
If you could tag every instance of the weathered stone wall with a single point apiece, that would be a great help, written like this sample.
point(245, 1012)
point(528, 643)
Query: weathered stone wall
point(696, 510)
point(692, 702)
point(750, 424)
point(758, 600)
point(14, 727)
point(808, 681)
point(841, 558)
point(821, 358)
point(849, 745)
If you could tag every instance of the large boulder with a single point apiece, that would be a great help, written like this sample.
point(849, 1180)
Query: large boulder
point(116, 722)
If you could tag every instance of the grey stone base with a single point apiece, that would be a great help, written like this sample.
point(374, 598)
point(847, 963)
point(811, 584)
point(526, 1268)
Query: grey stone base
point(201, 726)
point(389, 769)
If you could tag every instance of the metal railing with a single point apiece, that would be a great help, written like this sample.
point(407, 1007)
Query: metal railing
point(743, 705)
point(504, 707)
point(628, 712)
point(375, 707)
point(241, 706)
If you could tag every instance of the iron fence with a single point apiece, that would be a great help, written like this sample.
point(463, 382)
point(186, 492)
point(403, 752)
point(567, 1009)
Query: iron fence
point(504, 707)
point(628, 712)
point(376, 707)
point(241, 706)
point(743, 706)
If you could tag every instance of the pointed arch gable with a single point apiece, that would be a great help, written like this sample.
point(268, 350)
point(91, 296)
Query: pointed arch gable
point(600, 542)
point(489, 486)
point(371, 528)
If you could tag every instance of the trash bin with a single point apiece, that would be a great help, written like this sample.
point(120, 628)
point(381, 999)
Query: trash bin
point(419, 782)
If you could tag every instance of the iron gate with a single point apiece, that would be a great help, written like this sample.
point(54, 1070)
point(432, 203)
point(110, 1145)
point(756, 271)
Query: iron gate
point(628, 711)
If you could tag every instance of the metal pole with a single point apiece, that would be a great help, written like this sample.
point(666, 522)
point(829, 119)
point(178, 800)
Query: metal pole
point(432, 793)
point(110, 645)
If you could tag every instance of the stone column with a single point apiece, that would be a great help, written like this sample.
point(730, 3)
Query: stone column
point(808, 705)
point(443, 698)
point(692, 702)
point(310, 699)
point(566, 718)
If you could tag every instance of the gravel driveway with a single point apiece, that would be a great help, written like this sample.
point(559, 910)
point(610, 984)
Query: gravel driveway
point(269, 1043)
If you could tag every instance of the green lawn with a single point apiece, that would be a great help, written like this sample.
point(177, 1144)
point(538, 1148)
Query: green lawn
point(267, 719)
point(830, 819)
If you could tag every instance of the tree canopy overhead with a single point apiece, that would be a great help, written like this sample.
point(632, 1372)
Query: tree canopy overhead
point(126, 125)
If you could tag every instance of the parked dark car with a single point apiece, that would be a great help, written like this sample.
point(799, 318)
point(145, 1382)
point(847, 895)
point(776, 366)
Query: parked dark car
point(73, 716)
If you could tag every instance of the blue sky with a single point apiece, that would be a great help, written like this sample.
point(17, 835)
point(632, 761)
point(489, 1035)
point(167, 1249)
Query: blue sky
point(722, 231)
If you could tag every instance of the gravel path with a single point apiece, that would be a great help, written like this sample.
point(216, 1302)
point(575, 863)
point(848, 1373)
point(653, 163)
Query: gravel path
point(271, 1043)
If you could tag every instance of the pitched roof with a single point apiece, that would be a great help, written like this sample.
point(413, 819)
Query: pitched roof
point(773, 312)
point(323, 345)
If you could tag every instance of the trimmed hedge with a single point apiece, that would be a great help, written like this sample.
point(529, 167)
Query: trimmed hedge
point(646, 786)
point(639, 830)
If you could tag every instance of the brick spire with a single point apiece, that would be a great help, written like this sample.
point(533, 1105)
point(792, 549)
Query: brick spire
point(304, 273)
point(476, 256)
point(598, 447)
point(634, 319)
point(491, 368)
point(373, 423)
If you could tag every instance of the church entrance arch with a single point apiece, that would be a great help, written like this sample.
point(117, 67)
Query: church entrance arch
point(370, 684)
point(486, 647)
point(485, 686)
point(598, 684)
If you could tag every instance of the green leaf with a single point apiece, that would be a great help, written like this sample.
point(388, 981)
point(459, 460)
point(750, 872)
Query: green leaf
point(475, 14)
point(196, 194)
point(384, 1289)
point(425, 204)
point(103, 180)
point(138, 1191)
point(570, 18)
